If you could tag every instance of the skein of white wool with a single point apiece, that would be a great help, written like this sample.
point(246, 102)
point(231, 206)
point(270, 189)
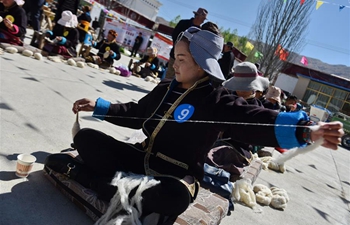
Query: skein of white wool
point(117, 72)
point(279, 199)
point(296, 151)
point(263, 194)
point(38, 56)
point(71, 62)
point(27, 53)
point(76, 126)
point(11, 50)
point(243, 192)
point(277, 167)
point(80, 64)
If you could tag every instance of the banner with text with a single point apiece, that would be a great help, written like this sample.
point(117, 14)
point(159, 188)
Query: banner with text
point(163, 44)
point(127, 34)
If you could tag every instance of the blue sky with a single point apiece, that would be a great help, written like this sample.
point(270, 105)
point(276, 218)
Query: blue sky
point(328, 35)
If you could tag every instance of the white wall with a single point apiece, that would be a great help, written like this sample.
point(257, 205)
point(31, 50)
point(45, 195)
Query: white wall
point(286, 82)
point(301, 86)
point(147, 8)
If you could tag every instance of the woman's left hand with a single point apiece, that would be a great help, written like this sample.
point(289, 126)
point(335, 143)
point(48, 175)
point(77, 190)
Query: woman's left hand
point(8, 24)
point(331, 133)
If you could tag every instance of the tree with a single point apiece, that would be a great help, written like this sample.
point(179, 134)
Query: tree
point(175, 21)
point(279, 29)
point(238, 42)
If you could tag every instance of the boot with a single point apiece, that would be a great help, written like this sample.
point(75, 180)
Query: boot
point(63, 163)
point(70, 167)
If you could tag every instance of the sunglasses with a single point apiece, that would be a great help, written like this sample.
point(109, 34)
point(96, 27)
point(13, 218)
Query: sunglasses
point(187, 33)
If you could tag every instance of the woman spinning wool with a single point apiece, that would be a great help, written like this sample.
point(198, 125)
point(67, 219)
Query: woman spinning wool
point(181, 119)
point(13, 22)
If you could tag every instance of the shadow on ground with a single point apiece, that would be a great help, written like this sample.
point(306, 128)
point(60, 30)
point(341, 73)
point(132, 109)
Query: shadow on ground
point(121, 86)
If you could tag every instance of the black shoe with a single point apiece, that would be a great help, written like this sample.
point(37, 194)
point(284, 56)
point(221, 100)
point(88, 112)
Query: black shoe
point(64, 164)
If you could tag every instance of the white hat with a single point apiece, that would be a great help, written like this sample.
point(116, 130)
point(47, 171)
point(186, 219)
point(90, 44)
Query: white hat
point(274, 93)
point(246, 78)
point(68, 19)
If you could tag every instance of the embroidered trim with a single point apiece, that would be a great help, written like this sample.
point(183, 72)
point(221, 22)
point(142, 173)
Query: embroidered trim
point(171, 160)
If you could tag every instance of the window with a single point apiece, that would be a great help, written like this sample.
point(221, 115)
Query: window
point(328, 97)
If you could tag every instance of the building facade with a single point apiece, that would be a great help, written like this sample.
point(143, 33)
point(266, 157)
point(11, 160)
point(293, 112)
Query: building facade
point(147, 8)
point(318, 88)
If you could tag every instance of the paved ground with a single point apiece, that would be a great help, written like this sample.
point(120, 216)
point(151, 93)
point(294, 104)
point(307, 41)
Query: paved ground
point(35, 117)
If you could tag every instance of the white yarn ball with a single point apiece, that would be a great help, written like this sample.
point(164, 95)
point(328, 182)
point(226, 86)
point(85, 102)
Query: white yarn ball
point(71, 62)
point(38, 56)
point(11, 50)
point(80, 64)
point(27, 53)
point(112, 70)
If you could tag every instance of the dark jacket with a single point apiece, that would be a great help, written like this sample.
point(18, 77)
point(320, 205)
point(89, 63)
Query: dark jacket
point(104, 46)
point(63, 5)
point(19, 19)
point(95, 24)
point(70, 5)
point(138, 41)
point(154, 63)
point(180, 146)
point(71, 36)
point(226, 63)
point(181, 26)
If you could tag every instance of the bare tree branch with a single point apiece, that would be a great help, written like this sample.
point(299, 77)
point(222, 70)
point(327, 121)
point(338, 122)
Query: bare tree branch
point(279, 23)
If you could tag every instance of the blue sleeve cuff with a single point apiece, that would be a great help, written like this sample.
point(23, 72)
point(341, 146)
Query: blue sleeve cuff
point(88, 39)
point(49, 32)
point(286, 135)
point(101, 108)
point(63, 41)
point(153, 67)
point(114, 55)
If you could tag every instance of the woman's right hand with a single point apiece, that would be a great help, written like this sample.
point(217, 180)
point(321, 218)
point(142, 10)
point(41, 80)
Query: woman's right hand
point(83, 104)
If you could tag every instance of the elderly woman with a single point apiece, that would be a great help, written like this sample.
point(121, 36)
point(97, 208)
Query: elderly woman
point(64, 37)
point(181, 119)
point(14, 22)
point(151, 62)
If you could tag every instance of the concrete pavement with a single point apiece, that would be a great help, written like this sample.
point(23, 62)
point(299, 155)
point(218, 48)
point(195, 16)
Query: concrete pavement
point(35, 117)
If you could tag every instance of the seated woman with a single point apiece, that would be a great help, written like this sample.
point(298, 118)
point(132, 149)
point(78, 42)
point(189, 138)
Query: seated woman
point(108, 51)
point(273, 96)
point(63, 40)
point(151, 62)
point(14, 22)
point(181, 119)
